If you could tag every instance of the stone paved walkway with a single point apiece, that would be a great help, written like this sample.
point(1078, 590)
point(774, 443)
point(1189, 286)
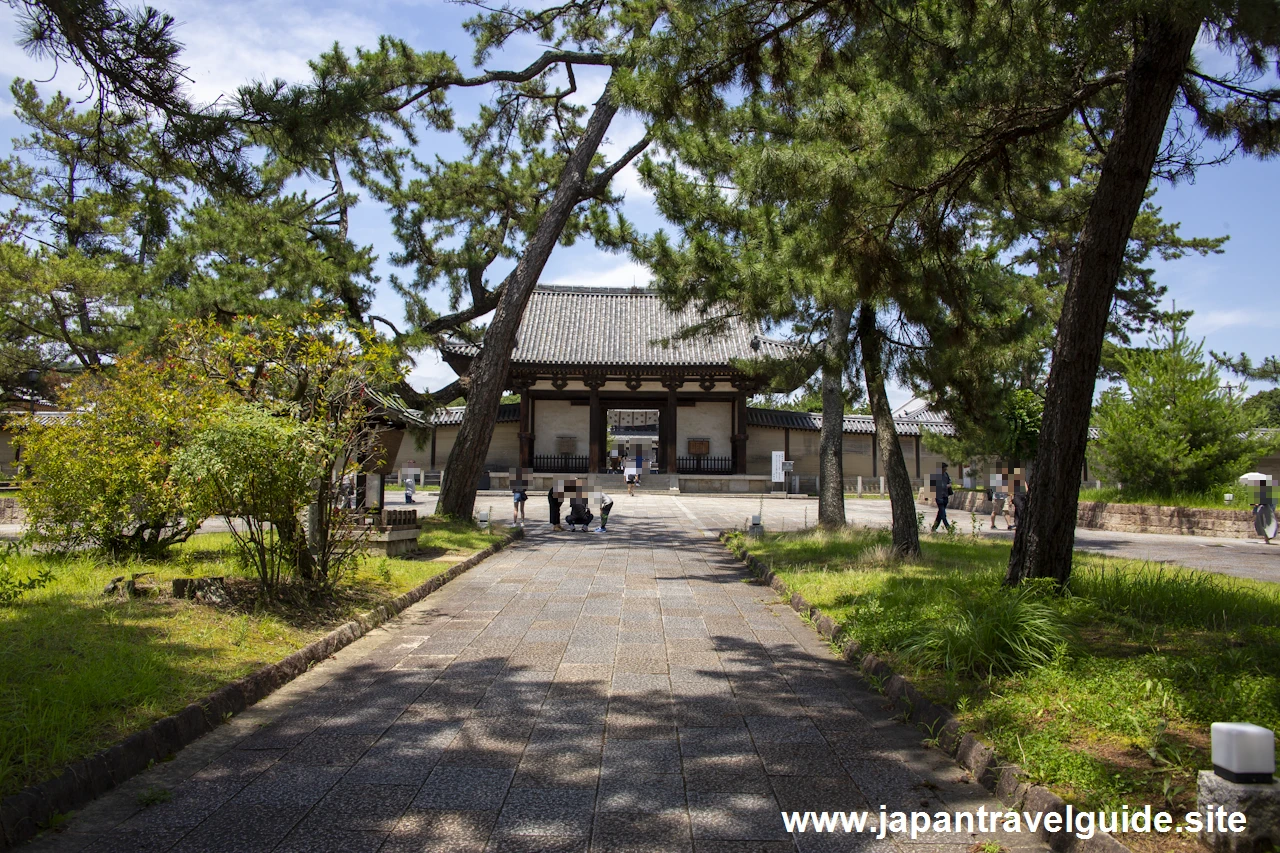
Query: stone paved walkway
point(619, 692)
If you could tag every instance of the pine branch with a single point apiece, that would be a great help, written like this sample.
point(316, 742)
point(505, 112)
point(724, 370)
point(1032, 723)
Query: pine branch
point(600, 183)
point(541, 64)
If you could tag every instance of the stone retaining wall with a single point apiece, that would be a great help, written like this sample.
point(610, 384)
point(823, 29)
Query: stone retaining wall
point(11, 511)
point(1132, 518)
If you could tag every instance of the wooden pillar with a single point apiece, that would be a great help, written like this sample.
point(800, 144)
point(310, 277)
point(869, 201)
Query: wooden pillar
point(875, 456)
point(526, 429)
point(593, 428)
point(917, 457)
point(433, 451)
point(673, 407)
point(740, 435)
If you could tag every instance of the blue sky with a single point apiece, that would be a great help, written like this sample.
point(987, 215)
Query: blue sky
point(1235, 296)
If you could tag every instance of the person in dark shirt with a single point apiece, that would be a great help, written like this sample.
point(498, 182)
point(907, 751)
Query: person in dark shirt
point(942, 493)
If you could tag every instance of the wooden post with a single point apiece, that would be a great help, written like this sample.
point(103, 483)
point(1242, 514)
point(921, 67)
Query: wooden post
point(526, 429)
point(917, 457)
point(593, 428)
point(740, 435)
point(673, 405)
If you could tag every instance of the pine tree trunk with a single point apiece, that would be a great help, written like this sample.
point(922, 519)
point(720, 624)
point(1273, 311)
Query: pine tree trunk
point(1043, 545)
point(906, 533)
point(487, 377)
point(831, 439)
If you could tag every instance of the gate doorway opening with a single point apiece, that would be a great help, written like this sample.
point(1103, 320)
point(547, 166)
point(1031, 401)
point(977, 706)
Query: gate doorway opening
point(632, 434)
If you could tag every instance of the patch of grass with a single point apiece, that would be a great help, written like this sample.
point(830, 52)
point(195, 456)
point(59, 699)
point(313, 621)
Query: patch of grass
point(82, 671)
point(154, 796)
point(1104, 693)
point(1211, 499)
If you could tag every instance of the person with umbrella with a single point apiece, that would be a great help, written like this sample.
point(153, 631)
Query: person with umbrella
point(1263, 500)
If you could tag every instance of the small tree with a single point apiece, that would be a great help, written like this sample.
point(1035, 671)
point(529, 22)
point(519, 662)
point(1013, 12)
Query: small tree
point(257, 467)
point(1013, 434)
point(316, 373)
point(1173, 429)
point(101, 477)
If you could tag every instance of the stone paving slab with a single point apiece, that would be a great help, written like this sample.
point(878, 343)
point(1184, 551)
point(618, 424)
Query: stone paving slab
point(629, 691)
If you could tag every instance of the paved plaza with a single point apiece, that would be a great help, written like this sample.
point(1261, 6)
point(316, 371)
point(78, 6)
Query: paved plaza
point(630, 691)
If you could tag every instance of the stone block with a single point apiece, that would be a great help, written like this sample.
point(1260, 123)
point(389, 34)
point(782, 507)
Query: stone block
point(1260, 804)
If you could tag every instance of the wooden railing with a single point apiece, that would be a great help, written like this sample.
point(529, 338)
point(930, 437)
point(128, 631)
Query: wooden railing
point(557, 464)
point(704, 465)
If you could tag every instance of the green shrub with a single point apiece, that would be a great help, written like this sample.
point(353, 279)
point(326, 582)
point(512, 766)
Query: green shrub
point(1005, 631)
point(101, 478)
point(257, 467)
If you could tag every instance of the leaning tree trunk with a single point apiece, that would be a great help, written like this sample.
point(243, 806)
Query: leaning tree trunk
point(487, 377)
point(831, 439)
point(906, 533)
point(1044, 541)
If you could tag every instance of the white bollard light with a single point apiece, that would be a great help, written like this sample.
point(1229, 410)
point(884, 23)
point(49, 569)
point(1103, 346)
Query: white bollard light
point(755, 520)
point(482, 517)
point(1243, 752)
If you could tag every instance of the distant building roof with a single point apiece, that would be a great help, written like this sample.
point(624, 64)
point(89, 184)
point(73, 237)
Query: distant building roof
point(452, 416)
point(853, 424)
point(621, 327)
point(42, 418)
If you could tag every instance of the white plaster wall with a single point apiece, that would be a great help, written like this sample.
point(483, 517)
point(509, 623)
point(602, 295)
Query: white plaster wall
point(761, 442)
point(504, 448)
point(706, 420)
point(421, 458)
point(558, 417)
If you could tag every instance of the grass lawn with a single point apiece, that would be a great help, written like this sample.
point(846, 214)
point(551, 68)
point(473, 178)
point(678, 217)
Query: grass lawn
point(1105, 694)
point(82, 671)
point(1212, 499)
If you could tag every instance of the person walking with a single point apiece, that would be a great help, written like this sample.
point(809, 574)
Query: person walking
point(633, 476)
point(1000, 503)
point(942, 493)
point(518, 497)
point(409, 489)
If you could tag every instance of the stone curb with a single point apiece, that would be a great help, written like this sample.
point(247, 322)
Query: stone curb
point(24, 814)
point(1000, 777)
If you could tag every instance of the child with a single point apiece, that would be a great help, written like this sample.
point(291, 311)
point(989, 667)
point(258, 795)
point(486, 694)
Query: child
point(606, 504)
point(555, 496)
point(409, 488)
point(633, 475)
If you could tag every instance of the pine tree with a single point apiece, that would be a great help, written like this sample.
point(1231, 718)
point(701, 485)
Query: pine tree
point(532, 177)
point(794, 218)
point(1173, 429)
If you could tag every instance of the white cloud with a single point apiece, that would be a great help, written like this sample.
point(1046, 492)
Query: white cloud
point(430, 372)
point(226, 44)
point(587, 273)
point(1208, 322)
point(229, 44)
